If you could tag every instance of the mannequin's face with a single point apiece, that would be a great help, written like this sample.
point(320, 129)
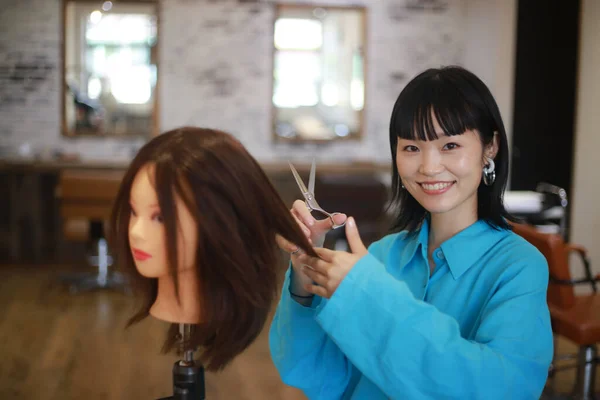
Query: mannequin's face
point(147, 232)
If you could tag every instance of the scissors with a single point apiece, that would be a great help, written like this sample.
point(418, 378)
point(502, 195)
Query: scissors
point(309, 195)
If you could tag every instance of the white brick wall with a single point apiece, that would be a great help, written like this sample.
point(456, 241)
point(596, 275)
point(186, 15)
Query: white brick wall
point(216, 69)
point(29, 70)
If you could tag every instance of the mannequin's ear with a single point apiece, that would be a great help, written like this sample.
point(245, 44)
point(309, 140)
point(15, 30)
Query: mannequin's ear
point(491, 150)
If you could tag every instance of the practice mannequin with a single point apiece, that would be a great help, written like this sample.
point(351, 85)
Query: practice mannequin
point(194, 227)
point(148, 247)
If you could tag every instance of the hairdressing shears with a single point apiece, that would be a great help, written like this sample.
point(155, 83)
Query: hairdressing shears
point(309, 195)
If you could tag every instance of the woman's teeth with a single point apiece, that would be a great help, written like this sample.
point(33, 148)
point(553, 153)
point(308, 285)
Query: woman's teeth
point(435, 186)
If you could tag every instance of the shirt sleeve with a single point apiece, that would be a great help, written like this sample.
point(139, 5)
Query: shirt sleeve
point(304, 355)
point(410, 349)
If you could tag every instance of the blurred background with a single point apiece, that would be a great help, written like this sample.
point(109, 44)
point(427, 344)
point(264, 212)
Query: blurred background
point(85, 83)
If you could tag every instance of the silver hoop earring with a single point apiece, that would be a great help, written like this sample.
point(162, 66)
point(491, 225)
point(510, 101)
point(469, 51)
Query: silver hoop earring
point(489, 172)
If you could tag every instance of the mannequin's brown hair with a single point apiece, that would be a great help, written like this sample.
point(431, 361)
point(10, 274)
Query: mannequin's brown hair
point(238, 213)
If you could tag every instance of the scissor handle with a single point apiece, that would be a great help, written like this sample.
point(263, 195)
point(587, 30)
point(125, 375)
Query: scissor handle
point(328, 215)
point(333, 224)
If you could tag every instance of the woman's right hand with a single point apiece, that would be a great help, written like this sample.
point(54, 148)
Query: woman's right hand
point(315, 230)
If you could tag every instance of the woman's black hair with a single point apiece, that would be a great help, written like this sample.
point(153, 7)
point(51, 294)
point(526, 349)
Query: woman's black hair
point(460, 101)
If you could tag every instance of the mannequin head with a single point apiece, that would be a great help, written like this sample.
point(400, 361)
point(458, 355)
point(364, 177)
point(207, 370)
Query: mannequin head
point(193, 226)
point(177, 299)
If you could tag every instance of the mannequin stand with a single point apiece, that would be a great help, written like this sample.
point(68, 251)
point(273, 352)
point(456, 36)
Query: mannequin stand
point(188, 377)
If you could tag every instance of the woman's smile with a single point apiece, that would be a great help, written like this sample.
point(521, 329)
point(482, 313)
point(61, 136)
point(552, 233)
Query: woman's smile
point(437, 187)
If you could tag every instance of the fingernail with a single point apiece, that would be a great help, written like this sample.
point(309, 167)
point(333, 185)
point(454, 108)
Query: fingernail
point(351, 222)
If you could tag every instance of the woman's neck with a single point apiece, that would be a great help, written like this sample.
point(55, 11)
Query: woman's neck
point(445, 225)
point(188, 309)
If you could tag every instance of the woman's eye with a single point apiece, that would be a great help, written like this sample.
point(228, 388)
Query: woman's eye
point(411, 148)
point(133, 214)
point(158, 218)
point(451, 146)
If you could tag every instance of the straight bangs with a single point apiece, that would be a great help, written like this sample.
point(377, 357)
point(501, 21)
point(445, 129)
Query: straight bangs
point(415, 111)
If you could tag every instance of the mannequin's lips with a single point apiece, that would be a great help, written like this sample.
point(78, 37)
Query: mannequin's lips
point(140, 255)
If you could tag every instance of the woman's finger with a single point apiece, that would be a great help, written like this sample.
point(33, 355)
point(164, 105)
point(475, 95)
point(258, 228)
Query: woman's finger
point(302, 226)
point(285, 244)
point(321, 266)
point(325, 224)
point(325, 254)
point(303, 213)
point(340, 218)
point(318, 278)
point(318, 290)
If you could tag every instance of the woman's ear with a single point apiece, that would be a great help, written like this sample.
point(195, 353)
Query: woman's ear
point(491, 150)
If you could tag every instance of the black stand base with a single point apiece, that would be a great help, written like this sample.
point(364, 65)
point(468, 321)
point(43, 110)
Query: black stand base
point(188, 381)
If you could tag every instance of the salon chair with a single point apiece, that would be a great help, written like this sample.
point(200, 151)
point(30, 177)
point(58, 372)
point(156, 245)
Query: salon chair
point(85, 202)
point(575, 317)
point(547, 208)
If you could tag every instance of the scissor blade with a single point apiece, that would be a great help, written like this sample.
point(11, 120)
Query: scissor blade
point(298, 179)
point(311, 179)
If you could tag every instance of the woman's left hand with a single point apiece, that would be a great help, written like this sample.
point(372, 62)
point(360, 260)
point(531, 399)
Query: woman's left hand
point(328, 272)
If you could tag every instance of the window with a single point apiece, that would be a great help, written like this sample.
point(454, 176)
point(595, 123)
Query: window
point(118, 56)
point(318, 72)
point(298, 62)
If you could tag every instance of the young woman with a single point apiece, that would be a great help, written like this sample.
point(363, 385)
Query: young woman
point(453, 305)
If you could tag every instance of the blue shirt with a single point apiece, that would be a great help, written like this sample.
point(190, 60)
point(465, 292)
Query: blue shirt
point(477, 328)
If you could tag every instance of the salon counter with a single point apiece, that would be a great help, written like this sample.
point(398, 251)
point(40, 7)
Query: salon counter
point(30, 194)
point(271, 167)
point(44, 166)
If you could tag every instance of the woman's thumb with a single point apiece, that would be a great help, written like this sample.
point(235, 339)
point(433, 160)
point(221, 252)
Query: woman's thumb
point(353, 237)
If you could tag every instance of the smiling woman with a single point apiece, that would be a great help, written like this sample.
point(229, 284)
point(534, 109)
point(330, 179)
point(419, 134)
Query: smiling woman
point(451, 165)
point(451, 306)
point(446, 129)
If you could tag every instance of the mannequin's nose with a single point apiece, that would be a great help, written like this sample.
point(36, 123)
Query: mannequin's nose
point(136, 230)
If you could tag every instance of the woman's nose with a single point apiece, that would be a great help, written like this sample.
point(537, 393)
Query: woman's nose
point(431, 164)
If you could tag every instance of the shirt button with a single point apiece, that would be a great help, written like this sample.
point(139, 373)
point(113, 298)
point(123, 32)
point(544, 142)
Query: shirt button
point(440, 254)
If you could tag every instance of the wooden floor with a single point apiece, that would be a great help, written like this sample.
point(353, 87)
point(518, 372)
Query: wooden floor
point(57, 346)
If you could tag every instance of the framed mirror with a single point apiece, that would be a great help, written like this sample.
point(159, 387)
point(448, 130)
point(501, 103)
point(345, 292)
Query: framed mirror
point(110, 71)
point(318, 73)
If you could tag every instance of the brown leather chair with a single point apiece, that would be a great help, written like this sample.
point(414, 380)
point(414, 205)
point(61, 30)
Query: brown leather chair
point(85, 199)
point(575, 317)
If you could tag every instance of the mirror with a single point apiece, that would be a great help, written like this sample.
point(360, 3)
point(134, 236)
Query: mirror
point(318, 73)
point(109, 68)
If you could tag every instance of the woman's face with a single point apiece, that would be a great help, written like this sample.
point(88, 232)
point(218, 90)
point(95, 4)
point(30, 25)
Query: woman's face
point(443, 175)
point(147, 232)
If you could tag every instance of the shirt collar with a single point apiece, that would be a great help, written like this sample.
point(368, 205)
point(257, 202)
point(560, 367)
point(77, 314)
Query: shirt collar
point(418, 239)
point(459, 251)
